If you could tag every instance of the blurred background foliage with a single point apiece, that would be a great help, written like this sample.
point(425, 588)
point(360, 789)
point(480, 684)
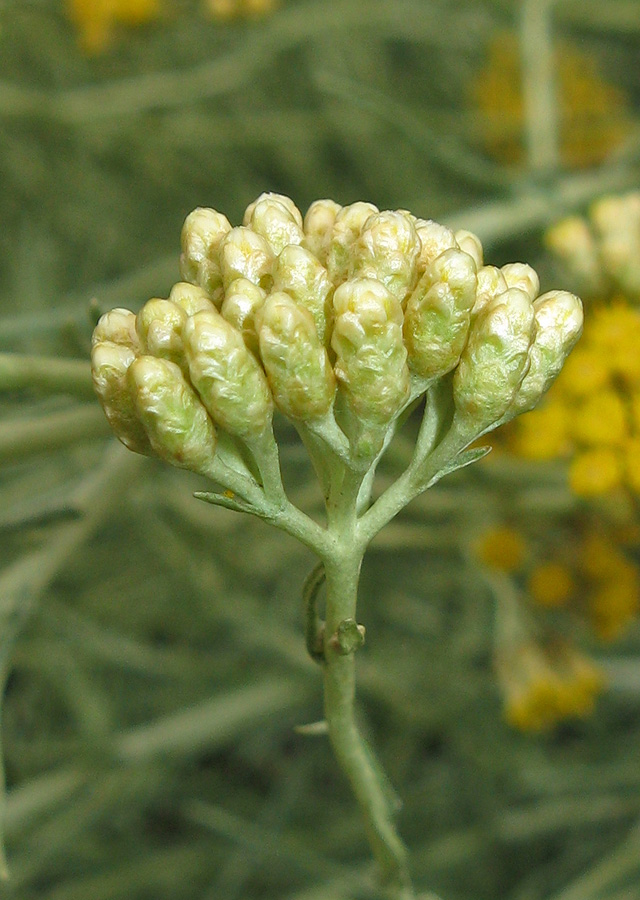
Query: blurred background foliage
point(152, 647)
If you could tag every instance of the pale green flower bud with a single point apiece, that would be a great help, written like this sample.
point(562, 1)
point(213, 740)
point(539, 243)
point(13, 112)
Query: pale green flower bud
point(275, 222)
point(434, 240)
point(471, 244)
point(573, 243)
point(436, 320)
point(495, 359)
point(282, 199)
point(491, 283)
point(109, 365)
point(202, 232)
point(298, 368)
point(522, 276)
point(245, 254)
point(190, 297)
point(241, 302)
point(371, 364)
point(387, 249)
point(227, 376)
point(304, 278)
point(318, 227)
point(346, 229)
point(617, 220)
point(559, 319)
point(117, 325)
point(176, 422)
point(159, 324)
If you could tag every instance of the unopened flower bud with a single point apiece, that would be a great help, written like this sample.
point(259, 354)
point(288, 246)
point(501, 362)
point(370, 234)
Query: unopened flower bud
point(346, 229)
point(559, 318)
point(298, 368)
point(159, 324)
point(522, 276)
point(245, 254)
point(387, 249)
point(318, 227)
point(202, 232)
point(434, 240)
point(282, 199)
point(304, 278)
point(276, 223)
point(119, 326)
point(109, 365)
point(242, 300)
point(176, 422)
point(371, 363)
point(190, 297)
point(471, 244)
point(227, 376)
point(495, 359)
point(437, 316)
point(491, 283)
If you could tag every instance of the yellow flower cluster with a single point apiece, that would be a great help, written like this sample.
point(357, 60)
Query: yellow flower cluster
point(97, 20)
point(593, 116)
point(545, 685)
point(592, 578)
point(593, 411)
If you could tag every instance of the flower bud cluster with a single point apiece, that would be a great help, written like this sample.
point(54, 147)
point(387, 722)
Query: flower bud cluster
point(600, 254)
point(349, 311)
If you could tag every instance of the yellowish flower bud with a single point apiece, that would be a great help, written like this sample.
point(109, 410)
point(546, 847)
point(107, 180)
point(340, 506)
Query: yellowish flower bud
point(282, 199)
point(275, 221)
point(119, 326)
point(434, 240)
point(245, 254)
point(202, 232)
point(109, 365)
point(227, 376)
point(159, 324)
point(495, 359)
point(242, 300)
point(176, 422)
point(437, 316)
point(371, 364)
point(522, 276)
point(470, 243)
point(387, 249)
point(346, 229)
point(298, 368)
point(299, 273)
point(190, 297)
point(558, 318)
point(318, 227)
point(491, 283)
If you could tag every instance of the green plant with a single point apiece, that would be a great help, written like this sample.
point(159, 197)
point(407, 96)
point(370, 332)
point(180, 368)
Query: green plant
point(344, 322)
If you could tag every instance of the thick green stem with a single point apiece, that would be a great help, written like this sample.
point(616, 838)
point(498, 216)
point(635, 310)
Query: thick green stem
point(354, 756)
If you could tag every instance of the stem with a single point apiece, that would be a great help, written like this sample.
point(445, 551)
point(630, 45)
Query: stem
point(49, 374)
point(354, 756)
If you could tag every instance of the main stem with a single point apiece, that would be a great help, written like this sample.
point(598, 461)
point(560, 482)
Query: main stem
point(342, 569)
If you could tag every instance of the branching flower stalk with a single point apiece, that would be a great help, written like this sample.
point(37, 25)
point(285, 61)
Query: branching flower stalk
point(343, 322)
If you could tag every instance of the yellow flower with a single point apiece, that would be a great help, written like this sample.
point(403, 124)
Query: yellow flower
point(501, 548)
point(593, 473)
point(96, 20)
point(593, 117)
point(551, 584)
point(545, 685)
point(542, 433)
point(632, 464)
point(601, 420)
point(615, 603)
point(585, 371)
